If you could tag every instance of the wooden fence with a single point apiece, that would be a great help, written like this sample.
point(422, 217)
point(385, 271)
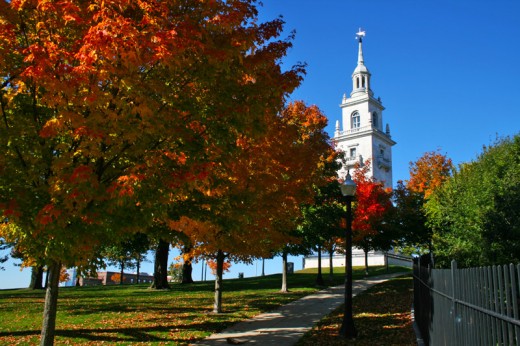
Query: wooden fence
point(474, 306)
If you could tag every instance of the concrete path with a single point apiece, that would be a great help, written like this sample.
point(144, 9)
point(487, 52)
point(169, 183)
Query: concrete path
point(287, 324)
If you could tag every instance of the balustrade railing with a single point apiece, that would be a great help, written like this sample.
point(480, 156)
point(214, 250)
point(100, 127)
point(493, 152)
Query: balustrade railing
point(360, 130)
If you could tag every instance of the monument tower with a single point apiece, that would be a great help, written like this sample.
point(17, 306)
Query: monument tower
point(362, 135)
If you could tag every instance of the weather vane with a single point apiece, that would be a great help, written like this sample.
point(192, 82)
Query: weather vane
point(360, 34)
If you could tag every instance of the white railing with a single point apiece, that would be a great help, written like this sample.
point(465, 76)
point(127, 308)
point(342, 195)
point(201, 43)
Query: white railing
point(362, 129)
point(355, 130)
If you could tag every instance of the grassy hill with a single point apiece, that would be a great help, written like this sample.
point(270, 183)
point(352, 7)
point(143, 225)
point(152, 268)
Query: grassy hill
point(133, 314)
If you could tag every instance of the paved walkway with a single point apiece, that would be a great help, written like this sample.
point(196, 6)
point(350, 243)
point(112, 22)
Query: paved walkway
point(287, 324)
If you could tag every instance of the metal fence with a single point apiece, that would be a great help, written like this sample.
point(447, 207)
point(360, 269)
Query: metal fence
point(475, 306)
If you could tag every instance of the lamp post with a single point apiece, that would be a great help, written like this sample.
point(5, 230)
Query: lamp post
point(348, 330)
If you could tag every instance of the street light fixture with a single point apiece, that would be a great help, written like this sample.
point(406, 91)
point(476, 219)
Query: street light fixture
point(348, 330)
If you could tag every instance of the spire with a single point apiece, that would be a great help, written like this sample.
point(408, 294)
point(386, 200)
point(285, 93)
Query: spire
point(361, 75)
point(360, 36)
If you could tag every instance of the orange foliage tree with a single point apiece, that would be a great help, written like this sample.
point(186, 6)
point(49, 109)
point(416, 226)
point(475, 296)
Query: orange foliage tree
point(253, 205)
point(111, 108)
point(429, 172)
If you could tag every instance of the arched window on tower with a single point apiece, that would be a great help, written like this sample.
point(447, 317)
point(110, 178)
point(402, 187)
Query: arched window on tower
point(375, 120)
point(355, 121)
point(357, 82)
point(363, 81)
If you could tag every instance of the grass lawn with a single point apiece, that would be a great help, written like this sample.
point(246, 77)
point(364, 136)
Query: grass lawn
point(381, 315)
point(133, 314)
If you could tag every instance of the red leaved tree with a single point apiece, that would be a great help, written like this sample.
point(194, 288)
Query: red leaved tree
point(372, 202)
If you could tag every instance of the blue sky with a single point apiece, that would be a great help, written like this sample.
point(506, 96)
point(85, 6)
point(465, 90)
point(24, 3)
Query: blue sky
point(447, 71)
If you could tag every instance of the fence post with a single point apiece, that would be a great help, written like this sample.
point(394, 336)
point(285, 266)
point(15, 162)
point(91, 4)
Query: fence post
point(453, 302)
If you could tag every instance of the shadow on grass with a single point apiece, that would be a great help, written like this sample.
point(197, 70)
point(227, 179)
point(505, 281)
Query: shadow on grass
point(197, 305)
point(134, 334)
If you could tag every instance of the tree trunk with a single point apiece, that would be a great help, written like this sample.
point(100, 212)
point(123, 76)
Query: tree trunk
point(187, 268)
point(284, 273)
point(77, 280)
point(263, 266)
point(46, 284)
point(160, 273)
point(36, 278)
point(51, 303)
point(331, 267)
point(138, 268)
point(122, 273)
point(386, 261)
point(366, 261)
point(319, 279)
point(202, 270)
point(217, 306)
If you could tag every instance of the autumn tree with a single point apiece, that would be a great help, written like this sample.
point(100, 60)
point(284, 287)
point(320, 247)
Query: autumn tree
point(318, 215)
point(140, 245)
point(111, 109)
point(75, 131)
point(295, 245)
point(257, 198)
point(119, 257)
point(408, 219)
point(185, 246)
point(320, 222)
point(36, 282)
point(162, 237)
point(429, 172)
point(187, 265)
point(127, 253)
point(372, 202)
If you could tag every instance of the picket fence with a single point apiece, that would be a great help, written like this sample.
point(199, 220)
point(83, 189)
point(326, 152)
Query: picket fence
point(474, 306)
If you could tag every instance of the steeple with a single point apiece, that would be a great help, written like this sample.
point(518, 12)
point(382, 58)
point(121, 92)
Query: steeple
point(360, 60)
point(361, 75)
point(362, 135)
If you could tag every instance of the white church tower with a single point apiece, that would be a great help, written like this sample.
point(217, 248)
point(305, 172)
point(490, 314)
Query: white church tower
point(362, 135)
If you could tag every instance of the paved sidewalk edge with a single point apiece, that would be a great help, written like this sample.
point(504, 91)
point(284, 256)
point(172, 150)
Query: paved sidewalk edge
point(286, 324)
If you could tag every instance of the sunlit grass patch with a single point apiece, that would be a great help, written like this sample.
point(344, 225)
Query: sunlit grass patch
point(132, 314)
